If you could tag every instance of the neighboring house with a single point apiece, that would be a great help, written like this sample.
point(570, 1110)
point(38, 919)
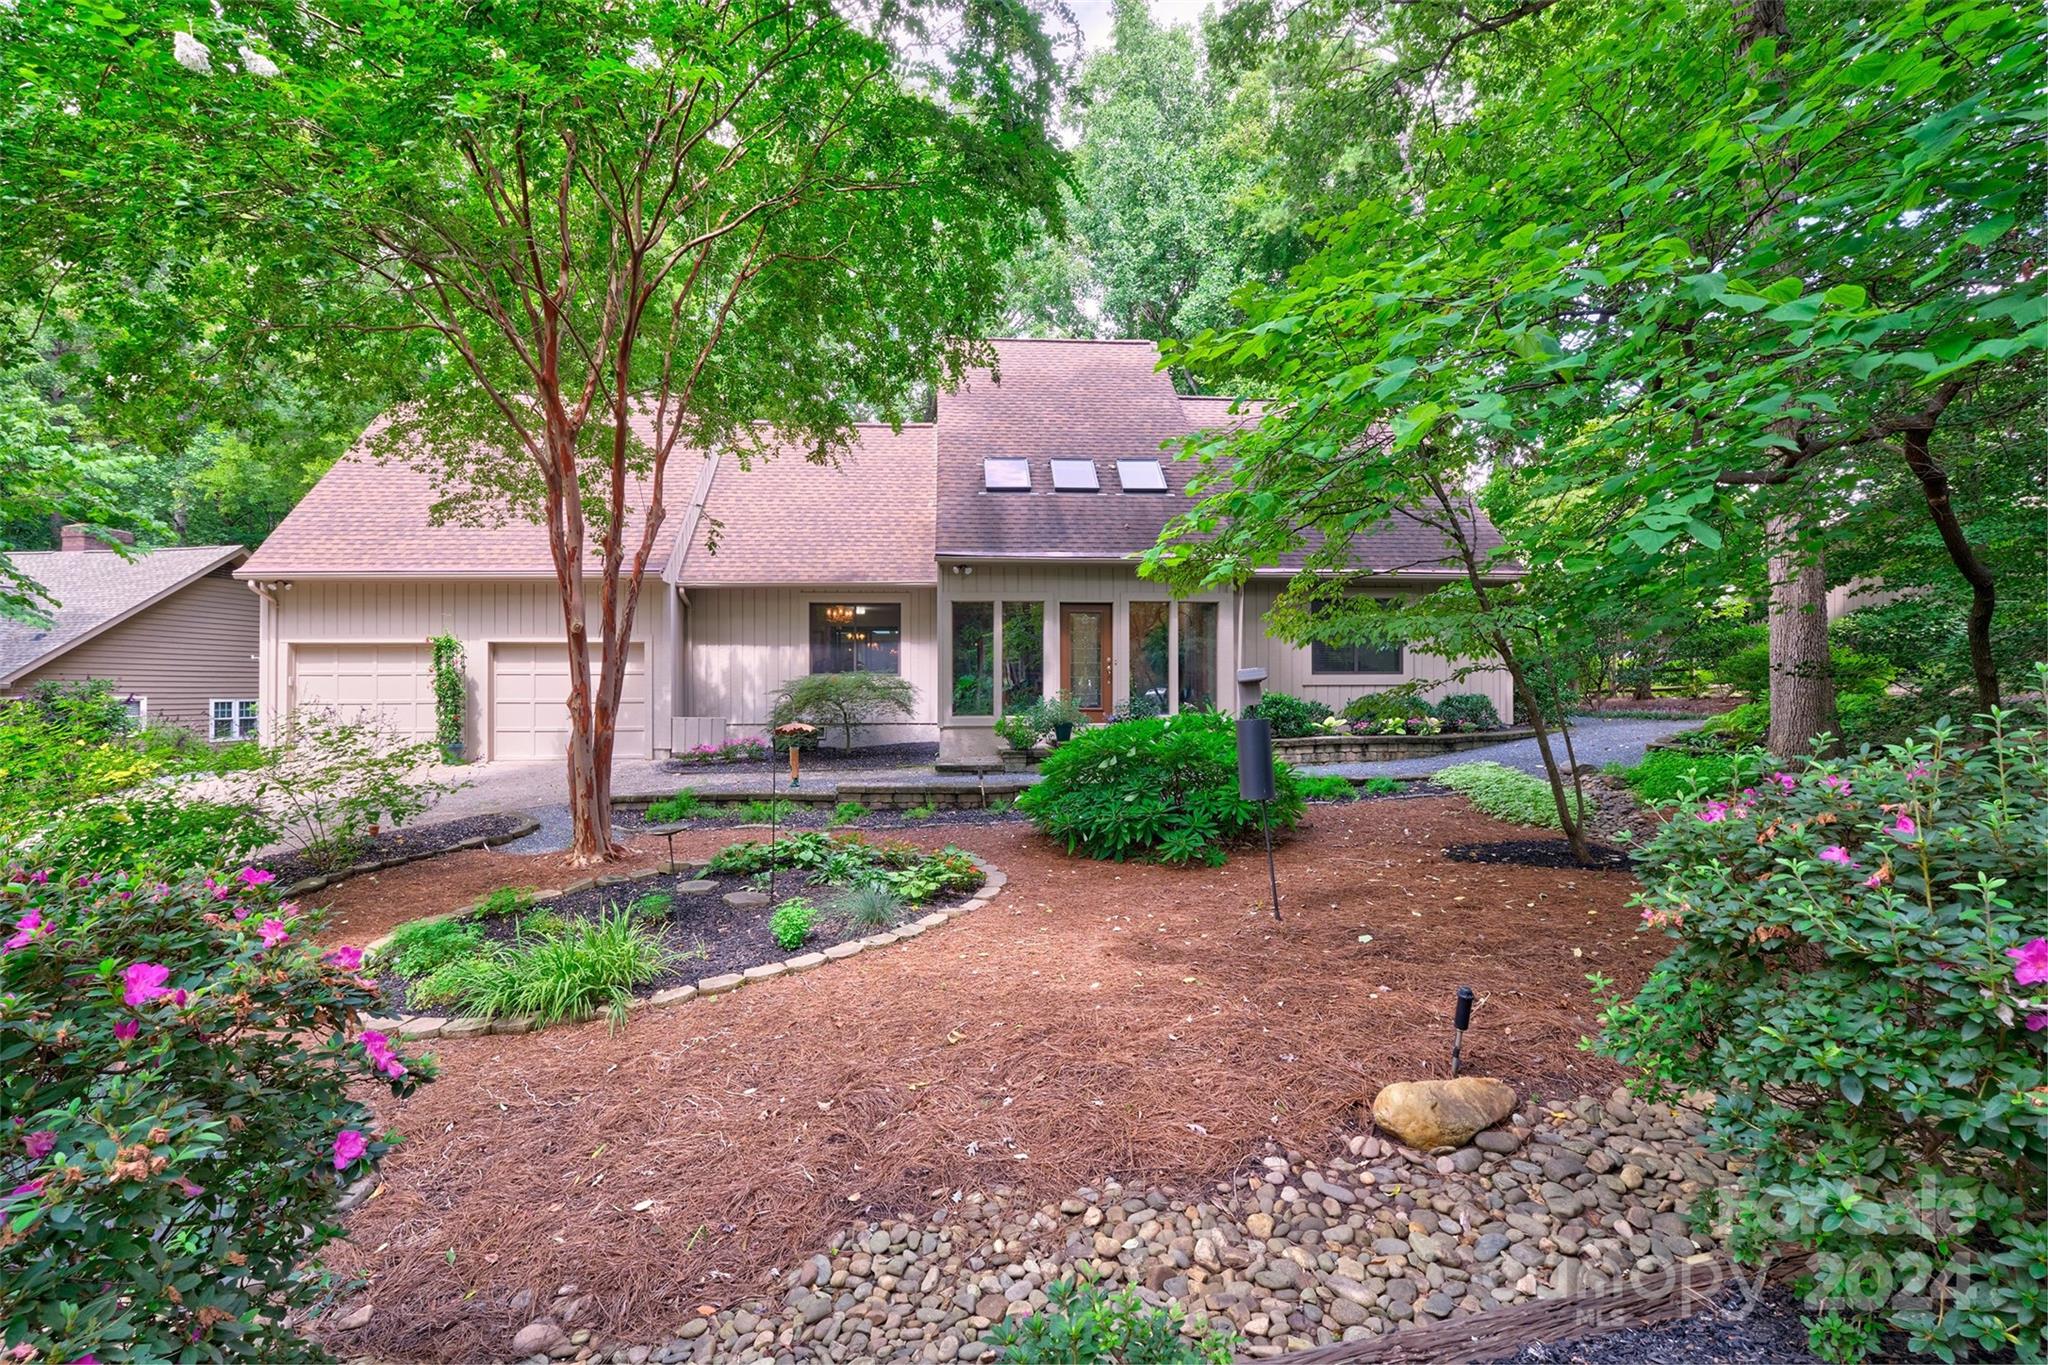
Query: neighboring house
point(171, 629)
point(985, 555)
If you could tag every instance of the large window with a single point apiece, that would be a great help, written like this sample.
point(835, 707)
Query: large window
point(1147, 652)
point(856, 637)
point(1197, 655)
point(1355, 658)
point(1023, 654)
point(974, 658)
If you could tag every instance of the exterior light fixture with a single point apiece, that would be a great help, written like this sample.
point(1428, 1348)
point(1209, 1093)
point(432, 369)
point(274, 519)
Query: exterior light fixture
point(1461, 1021)
point(1255, 783)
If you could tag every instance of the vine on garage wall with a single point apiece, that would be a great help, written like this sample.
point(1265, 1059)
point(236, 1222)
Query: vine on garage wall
point(451, 695)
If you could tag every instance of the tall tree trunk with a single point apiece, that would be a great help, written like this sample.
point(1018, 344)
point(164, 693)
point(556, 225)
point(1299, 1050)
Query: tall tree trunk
point(1802, 676)
point(1983, 587)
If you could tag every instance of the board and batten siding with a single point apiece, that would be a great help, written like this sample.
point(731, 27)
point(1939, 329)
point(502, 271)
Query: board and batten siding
point(1289, 668)
point(195, 647)
point(738, 645)
point(480, 613)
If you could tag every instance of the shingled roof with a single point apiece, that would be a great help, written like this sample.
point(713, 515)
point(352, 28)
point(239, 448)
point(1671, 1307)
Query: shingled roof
point(95, 590)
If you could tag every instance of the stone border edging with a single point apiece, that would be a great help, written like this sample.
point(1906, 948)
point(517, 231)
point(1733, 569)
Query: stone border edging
point(420, 1027)
point(1334, 748)
point(528, 825)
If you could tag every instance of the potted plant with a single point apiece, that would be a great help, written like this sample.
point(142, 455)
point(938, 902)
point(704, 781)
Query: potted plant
point(1018, 734)
point(1059, 714)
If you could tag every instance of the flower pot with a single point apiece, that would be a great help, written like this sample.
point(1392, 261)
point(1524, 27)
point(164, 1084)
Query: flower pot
point(1063, 731)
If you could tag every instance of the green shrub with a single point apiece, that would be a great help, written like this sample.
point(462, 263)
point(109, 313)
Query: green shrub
point(1380, 786)
point(1164, 787)
point(1394, 703)
point(846, 812)
point(506, 900)
point(542, 923)
point(684, 805)
point(592, 966)
point(1857, 975)
point(873, 906)
point(1665, 775)
point(423, 947)
point(842, 701)
point(1504, 793)
point(791, 923)
point(1468, 711)
point(767, 812)
point(655, 905)
point(1018, 729)
point(1291, 717)
point(924, 812)
point(1748, 670)
point(1082, 1324)
point(328, 780)
point(1746, 724)
point(849, 860)
point(185, 1094)
point(1324, 787)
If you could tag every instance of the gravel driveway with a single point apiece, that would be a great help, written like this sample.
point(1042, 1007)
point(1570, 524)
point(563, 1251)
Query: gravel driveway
point(1597, 742)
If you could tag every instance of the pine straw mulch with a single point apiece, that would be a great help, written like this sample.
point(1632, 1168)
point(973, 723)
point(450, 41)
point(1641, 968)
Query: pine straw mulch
point(1095, 1020)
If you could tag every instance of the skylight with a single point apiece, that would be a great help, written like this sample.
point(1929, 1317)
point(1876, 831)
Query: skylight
point(1006, 475)
point(1141, 476)
point(1074, 476)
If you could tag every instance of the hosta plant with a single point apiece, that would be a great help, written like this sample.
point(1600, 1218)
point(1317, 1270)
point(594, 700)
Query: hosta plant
point(182, 1074)
point(1859, 974)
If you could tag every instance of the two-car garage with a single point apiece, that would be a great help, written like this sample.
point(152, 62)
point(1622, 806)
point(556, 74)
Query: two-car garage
point(518, 706)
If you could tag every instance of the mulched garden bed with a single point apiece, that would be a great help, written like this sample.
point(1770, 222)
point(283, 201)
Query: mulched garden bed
point(709, 936)
point(1732, 1331)
point(1540, 853)
point(414, 841)
point(633, 821)
point(838, 760)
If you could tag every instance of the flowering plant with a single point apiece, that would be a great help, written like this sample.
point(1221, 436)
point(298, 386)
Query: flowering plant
point(180, 1128)
point(1859, 975)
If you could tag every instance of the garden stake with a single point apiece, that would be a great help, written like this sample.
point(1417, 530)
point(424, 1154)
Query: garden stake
point(1255, 783)
point(1459, 1023)
point(1272, 877)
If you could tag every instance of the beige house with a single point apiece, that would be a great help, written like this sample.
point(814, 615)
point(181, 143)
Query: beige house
point(171, 629)
point(985, 555)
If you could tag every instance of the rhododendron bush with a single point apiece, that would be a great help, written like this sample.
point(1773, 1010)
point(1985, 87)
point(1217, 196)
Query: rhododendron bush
point(1860, 976)
point(177, 1066)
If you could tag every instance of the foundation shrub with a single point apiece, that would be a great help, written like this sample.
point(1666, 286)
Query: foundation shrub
point(1395, 703)
point(1504, 793)
point(1468, 711)
point(185, 1089)
point(1163, 787)
point(1291, 717)
point(1858, 971)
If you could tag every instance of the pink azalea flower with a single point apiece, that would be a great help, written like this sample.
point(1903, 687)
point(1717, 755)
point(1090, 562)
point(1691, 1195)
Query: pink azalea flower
point(256, 876)
point(1835, 853)
point(381, 1056)
point(1905, 828)
point(1917, 770)
point(2030, 962)
point(145, 981)
point(39, 1144)
point(25, 930)
point(188, 1189)
point(1874, 880)
point(241, 912)
point(1713, 813)
point(349, 1146)
point(221, 890)
point(2037, 1022)
point(349, 959)
point(32, 1187)
point(127, 1029)
point(274, 932)
point(1785, 780)
point(40, 878)
point(1833, 783)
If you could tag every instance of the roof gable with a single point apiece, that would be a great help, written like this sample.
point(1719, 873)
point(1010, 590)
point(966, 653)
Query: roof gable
point(96, 590)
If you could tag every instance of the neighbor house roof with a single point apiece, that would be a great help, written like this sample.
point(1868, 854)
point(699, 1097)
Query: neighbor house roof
point(864, 517)
point(96, 590)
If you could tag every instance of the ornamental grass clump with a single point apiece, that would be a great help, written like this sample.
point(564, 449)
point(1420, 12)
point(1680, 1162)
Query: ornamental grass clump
point(591, 965)
point(1163, 787)
point(1859, 974)
point(183, 1088)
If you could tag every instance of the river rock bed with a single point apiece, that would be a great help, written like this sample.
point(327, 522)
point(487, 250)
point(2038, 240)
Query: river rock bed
point(1290, 1252)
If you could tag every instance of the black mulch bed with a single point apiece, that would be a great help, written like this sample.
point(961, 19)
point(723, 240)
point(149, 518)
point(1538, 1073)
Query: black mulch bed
point(710, 936)
point(1541, 853)
point(413, 841)
point(1767, 1333)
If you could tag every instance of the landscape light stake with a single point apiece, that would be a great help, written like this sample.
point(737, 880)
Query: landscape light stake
point(1459, 1023)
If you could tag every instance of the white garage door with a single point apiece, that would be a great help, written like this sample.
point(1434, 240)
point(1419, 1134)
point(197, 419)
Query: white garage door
point(530, 702)
point(356, 682)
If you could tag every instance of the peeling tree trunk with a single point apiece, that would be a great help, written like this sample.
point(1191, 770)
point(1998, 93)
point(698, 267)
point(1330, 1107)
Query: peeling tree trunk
point(1802, 676)
point(1983, 587)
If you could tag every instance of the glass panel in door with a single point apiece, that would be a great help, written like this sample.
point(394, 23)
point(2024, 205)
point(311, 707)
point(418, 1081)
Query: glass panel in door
point(1084, 634)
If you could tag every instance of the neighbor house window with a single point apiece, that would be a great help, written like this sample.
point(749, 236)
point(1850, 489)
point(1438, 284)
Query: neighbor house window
point(856, 637)
point(136, 709)
point(974, 658)
point(1147, 652)
point(1023, 654)
point(234, 720)
point(1197, 655)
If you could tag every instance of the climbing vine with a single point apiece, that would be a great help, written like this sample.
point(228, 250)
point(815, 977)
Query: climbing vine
point(450, 695)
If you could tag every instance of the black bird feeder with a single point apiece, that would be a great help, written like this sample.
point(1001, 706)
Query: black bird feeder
point(1461, 1021)
point(1255, 783)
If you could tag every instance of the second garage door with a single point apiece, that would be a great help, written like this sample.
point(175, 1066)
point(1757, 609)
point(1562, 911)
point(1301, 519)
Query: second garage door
point(387, 683)
point(530, 696)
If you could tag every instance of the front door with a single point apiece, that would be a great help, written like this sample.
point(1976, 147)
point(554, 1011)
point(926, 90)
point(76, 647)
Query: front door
point(1084, 658)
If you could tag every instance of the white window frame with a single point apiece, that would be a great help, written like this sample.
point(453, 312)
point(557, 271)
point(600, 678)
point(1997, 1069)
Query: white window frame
point(240, 727)
point(140, 718)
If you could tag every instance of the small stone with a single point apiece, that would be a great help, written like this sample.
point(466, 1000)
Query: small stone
point(538, 1338)
point(1631, 1177)
point(1466, 1160)
point(746, 900)
point(426, 1026)
point(804, 962)
point(470, 1026)
point(695, 888)
point(355, 1318)
point(1499, 1141)
point(813, 1308)
point(675, 995)
point(1259, 1225)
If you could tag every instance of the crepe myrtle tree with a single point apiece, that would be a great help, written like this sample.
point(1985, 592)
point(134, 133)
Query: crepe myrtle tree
point(585, 236)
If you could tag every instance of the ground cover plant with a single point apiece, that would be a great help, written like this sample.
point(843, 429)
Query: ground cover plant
point(1665, 775)
point(1858, 972)
point(846, 812)
point(767, 812)
point(849, 860)
point(1082, 1323)
point(183, 1078)
point(1380, 786)
point(1324, 787)
point(1161, 787)
point(1503, 792)
point(684, 805)
point(420, 948)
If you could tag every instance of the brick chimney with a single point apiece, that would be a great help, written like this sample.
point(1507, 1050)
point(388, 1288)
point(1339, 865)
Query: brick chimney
point(75, 538)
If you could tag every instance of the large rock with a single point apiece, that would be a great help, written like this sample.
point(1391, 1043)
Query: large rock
point(538, 1338)
point(1431, 1114)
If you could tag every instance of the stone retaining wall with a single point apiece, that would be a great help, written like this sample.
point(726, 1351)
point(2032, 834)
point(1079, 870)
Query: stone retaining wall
point(1388, 748)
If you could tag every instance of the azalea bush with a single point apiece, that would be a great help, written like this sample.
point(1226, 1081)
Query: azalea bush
point(181, 1086)
point(1163, 787)
point(1859, 973)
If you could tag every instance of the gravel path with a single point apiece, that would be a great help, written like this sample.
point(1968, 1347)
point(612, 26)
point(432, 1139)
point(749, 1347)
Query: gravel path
point(1598, 742)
